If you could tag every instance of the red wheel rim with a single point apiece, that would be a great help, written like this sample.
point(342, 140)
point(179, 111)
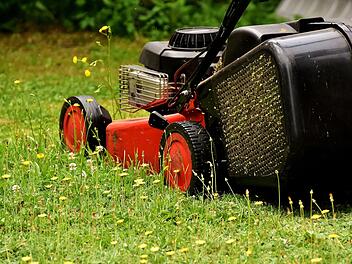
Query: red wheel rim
point(177, 159)
point(74, 128)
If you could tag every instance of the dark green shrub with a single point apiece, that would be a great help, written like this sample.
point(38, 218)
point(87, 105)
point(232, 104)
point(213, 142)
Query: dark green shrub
point(153, 18)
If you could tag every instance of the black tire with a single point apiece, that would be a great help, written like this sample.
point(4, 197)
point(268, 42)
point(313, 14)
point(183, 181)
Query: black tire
point(96, 119)
point(196, 139)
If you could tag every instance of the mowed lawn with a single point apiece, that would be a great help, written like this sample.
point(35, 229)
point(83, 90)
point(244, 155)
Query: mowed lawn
point(62, 208)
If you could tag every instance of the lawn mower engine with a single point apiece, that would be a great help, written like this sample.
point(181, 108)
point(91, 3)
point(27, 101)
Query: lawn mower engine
point(259, 105)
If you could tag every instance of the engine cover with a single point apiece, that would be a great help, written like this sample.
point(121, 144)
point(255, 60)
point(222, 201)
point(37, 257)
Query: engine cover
point(185, 44)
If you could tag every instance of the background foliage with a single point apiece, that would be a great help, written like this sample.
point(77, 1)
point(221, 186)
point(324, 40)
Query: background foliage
point(152, 18)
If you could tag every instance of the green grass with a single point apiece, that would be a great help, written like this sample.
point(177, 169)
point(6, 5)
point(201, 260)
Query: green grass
point(97, 212)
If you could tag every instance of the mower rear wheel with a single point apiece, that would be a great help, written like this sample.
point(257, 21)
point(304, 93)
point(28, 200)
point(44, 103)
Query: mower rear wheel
point(185, 156)
point(83, 122)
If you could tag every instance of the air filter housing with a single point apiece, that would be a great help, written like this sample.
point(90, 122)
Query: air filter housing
point(285, 107)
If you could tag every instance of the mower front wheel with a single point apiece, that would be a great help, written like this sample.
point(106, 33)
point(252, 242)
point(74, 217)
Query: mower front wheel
point(83, 122)
point(185, 157)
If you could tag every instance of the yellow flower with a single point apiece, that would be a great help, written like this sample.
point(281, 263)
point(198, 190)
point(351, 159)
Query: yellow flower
point(230, 241)
point(42, 215)
point(316, 217)
point(107, 192)
point(154, 249)
point(170, 253)
point(142, 246)
point(68, 262)
point(231, 218)
point(66, 179)
point(6, 176)
point(316, 260)
point(200, 242)
point(184, 250)
point(325, 211)
point(17, 82)
point(258, 203)
point(34, 262)
point(333, 235)
point(26, 162)
point(147, 233)
point(145, 256)
point(143, 261)
point(89, 100)
point(120, 221)
point(113, 242)
point(87, 73)
point(123, 174)
point(105, 30)
point(75, 59)
point(62, 198)
point(40, 155)
point(27, 258)
point(84, 59)
point(156, 181)
point(48, 186)
point(249, 252)
point(144, 197)
point(54, 178)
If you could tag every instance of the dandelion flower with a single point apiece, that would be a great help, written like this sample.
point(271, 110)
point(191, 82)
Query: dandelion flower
point(184, 250)
point(40, 155)
point(257, 203)
point(143, 261)
point(170, 253)
point(249, 252)
point(75, 59)
point(147, 233)
point(316, 217)
point(26, 162)
point(17, 82)
point(230, 241)
point(48, 186)
point(84, 59)
point(113, 242)
point(62, 198)
point(42, 215)
point(316, 260)
point(142, 246)
point(66, 179)
point(27, 258)
point(120, 221)
point(154, 249)
point(178, 222)
point(105, 30)
point(200, 242)
point(6, 176)
point(333, 235)
point(231, 218)
point(87, 73)
point(68, 262)
point(144, 256)
point(325, 211)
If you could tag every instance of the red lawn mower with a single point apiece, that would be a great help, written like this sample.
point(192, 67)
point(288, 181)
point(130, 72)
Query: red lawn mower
point(251, 104)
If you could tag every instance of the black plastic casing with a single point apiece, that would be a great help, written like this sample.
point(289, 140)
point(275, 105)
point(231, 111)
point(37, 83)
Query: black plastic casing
point(315, 74)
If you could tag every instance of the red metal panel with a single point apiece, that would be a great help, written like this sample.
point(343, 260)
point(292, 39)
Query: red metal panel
point(129, 139)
